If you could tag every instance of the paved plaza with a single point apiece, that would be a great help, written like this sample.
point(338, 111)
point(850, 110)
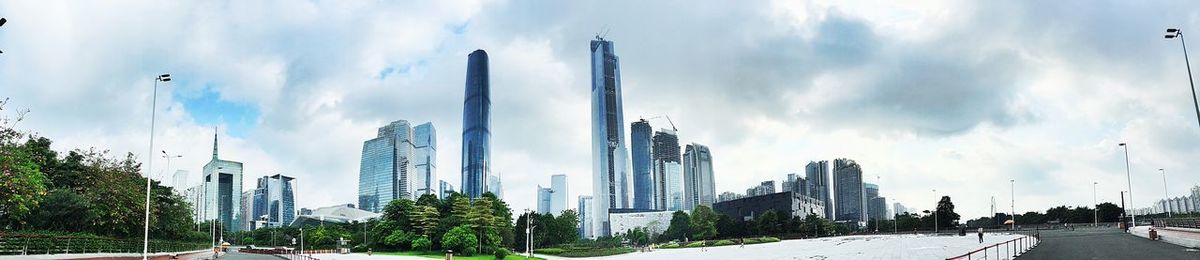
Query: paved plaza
point(1104, 243)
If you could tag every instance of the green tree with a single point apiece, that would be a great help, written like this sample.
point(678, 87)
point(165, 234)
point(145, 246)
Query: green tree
point(768, 223)
point(1109, 212)
point(680, 227)
point(424, 219)
point(704, 223)
point(399, 239)
point(461, 240)
point(397, 211)
point(638, 236)
point(62, 210)
point(422, 244)
point(945, 210)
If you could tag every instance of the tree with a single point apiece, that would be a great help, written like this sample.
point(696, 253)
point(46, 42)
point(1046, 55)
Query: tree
point(704, 223)
point(482, 219)
point(565, 225)
point(680, 227)
point(398, 211)
point(62, 210)
point(424, 219)
point(768, 223)
point(638, 236)
point(461, 240)
point(1108, 212)
point(945, 210)
point(22, 185)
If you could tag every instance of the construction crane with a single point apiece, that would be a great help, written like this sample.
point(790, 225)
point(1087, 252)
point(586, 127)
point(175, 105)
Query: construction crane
point(662, 116)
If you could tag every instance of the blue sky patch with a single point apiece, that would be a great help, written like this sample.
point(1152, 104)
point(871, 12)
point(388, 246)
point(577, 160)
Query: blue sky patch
point(208, 109)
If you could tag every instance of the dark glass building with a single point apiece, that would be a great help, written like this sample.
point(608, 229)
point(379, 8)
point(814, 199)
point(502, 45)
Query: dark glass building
point(477, 124)
point(643, 188)
point(848, 184)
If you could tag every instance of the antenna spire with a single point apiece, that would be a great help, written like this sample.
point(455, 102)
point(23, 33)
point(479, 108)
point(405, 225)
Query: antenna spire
point(214, 142)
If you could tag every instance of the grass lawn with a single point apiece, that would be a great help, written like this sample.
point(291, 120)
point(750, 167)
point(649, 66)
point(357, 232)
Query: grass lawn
point(440, 255)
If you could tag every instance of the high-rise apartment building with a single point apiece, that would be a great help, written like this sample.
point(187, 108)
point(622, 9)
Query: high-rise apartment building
point(223, 191)
point(387, 170)
point(477, 125)
point(848, 184)
point(795, 184)
point(425, 179)
point(698, 186)
point(611, 179)
point(764, 188)
point(667, 174)
point(640, 156)
point(817, 179)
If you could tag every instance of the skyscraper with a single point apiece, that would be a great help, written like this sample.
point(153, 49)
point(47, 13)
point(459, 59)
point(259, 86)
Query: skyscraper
point(179, 181)
point(386, 171)
point(667, 174)
point(543, 199)
point(477, 125)
point(817, 175)
point(698, 186)
point(585, 217)
point(195, 197)
point(425, 160)
point(643, 188)
point(876, 205)
point(223, 191)
point(848, 184)
point(444, 189)
point(246, 222)
point(898, 208)
point(611, 180)
point(275, 200)
point(495, 186)
point(558, 199)
point(795, 184)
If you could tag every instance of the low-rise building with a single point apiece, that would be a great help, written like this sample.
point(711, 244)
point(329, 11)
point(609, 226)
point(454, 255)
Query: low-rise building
point(623, 220)
point(784, 203)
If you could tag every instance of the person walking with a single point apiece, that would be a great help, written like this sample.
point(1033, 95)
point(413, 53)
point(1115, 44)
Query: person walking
point(981, 235)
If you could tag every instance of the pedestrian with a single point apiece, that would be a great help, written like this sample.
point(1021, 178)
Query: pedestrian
point(981, 235)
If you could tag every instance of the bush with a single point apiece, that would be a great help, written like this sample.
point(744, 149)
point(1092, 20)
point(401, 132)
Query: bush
point(500, 253)
point(723, 243)
point(422, 244)
point(460, 240)
point(549, 251)
point(669, 246)
point(695, 244)
point(591, 252)
point(398, 239)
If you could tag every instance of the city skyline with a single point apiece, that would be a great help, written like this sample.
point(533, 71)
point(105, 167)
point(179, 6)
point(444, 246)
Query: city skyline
point(821, 81)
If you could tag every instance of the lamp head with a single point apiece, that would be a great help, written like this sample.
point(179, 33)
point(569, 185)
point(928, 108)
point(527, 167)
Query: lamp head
point(2, 21)
point(1172, 30)
point(1169, 36)
point(164, 77)
point(1122, 144)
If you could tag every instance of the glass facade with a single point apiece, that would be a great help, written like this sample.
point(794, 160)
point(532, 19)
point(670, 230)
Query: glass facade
point(698, 186)
point(425, 160)
point(223, 191)
point(665, 153)
point(643, 187)
point(817, 176)
point(273, 200)
point(477, 124)
point(848, 184)
point(611, 180)
point(386, 169)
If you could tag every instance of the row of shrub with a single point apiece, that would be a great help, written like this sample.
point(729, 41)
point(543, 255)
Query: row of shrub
point(43, 242)
point(722, 242)
point(583, 252)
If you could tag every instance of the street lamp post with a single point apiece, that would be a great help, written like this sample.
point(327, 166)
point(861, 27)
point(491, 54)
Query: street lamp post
point(935, 211)
point(150, 164)
point(1096, 207)
point(1166, 196)
point(1129, 184)
point(1177, 33)
point(1012, 203)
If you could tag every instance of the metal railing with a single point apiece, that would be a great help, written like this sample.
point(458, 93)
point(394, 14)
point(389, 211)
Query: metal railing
point(288, 253)
point(34, 244)
point(1177, 222)
point(1004, 250)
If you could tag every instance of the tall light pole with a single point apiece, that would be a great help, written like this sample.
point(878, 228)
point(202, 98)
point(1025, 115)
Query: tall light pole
point(1166, 197)
point(1129, 184)
point(878, 215)
point(1177, 33)
point(1012, 202)
point(1095, 207)
point(169, 157)
point(150, 164)
point(935, 210)
point(2, 22)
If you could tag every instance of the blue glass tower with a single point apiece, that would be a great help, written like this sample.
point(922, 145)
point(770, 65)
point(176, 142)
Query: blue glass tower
point(643, 187)
point(477, 124)
point(611, 181)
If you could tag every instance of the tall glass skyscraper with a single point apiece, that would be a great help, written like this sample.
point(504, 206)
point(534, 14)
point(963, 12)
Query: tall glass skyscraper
point(817, 174)
point(611, 180)
point(668, 172)
point(386, 170)
point(223, 191)
point(425, 180)
point(847, 181)
point(698, 186)
point(274, 200)
point(477, 124)
point(643, 186)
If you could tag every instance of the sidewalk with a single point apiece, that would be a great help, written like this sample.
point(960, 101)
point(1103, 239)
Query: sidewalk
point(1179, 236)
point(198, 254)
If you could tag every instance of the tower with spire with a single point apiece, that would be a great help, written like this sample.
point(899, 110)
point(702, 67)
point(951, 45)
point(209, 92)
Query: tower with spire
point(223, 191)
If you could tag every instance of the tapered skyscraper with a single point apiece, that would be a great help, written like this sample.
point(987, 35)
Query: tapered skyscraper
point(477, 124)
point(611, 180)
point(643, 186)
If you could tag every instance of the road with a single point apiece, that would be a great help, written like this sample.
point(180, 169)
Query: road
point(1104, 243)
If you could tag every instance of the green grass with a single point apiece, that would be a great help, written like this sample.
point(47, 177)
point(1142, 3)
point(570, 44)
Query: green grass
point(722, 242)
point(441, 255)
point(583, 252)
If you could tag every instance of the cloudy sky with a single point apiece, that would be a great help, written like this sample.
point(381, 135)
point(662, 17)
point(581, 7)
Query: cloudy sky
point(958, 96)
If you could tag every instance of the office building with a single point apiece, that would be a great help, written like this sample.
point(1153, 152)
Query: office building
point(195, 198)
point(444, 190)
point(179, 181)
point(387, 167)
point(477, 125)
point(425, 178)
point(698, 186)
point(787, 204)
point(274, 201)
point(611, 179)
point(795, 183)
point(667, 174)
point(848, 187)
point(877, 209)
point(223, 191)
point(817, 179)
point(764, 188)
point(543, 198)
point(728, 196)
point(585, 217)
point(899, 208)
point(558, 199)
point(247, 211)
point(495, 186)
point(640, 157)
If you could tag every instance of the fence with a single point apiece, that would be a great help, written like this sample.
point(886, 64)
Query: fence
point(289, 253)
point(1177, 222)
point(1003, 250)
point(28, 244)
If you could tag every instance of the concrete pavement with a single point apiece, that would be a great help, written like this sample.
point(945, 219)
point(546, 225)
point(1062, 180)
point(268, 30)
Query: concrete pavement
point(1104, 243)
